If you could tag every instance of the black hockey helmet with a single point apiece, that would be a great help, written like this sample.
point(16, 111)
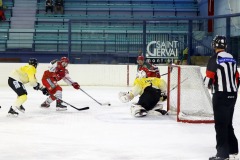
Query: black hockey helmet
point(219, 42)
point(33, 62)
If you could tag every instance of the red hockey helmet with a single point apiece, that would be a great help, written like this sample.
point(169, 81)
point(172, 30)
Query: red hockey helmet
point(141, 58)
point(64, 61)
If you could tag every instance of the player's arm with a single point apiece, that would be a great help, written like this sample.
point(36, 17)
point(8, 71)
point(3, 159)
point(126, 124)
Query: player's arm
point(163, 88)
point(136, 90)
point(69, 80)
point(237, 78)
point(52, 65)
point(33, 81)
point(31, 76)
point(210, 72)
point(161, 84)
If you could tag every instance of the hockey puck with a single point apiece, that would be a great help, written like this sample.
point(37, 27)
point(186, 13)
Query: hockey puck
point(109, 104)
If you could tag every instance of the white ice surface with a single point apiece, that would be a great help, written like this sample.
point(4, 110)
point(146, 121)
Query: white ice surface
point(100, 133)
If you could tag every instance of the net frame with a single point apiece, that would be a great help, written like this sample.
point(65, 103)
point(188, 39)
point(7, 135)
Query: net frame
point(183, 117)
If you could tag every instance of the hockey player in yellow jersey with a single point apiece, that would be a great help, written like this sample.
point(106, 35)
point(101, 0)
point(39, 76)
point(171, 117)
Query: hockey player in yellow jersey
point(152, 91)
point(17, 79)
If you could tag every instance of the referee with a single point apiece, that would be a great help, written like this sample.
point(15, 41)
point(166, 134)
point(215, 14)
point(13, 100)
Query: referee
point(223, 78)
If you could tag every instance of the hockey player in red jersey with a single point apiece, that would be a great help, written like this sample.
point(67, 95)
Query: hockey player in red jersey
point(57, 71)
point(153, 70)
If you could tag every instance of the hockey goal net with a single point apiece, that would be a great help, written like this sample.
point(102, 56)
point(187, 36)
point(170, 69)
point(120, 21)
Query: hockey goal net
point(188, 98)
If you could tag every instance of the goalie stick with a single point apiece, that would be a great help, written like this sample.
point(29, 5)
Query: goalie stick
point(95, 99)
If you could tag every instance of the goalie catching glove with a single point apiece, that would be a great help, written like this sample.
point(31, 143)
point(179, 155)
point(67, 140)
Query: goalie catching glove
point(76, 85)
point(125, 96)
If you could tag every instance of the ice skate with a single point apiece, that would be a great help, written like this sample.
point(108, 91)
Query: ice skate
point(161, 111)
point(140, 113)
point(21, 108)
point(60, 106)
point(138, 110)
point(13, 113)
point(233, 157)
point(45, 105)
point(158, 110)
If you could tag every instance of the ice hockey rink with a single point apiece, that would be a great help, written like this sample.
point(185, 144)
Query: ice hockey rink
point(100, 133)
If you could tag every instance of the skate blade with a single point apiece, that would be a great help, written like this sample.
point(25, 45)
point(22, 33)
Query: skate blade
point(44, 107)
point(141, 114)
point(61, 109)
point(12, 115)
point(15, 108)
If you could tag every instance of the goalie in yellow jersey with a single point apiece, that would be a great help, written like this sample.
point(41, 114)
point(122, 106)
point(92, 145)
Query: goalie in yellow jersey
point(17, 79)
point(152, 91)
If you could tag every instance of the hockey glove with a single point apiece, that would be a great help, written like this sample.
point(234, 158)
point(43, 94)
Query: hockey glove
point(37, 86)
point(76, 85)
point(45, 91)
point(163, 96)
point(125, 97)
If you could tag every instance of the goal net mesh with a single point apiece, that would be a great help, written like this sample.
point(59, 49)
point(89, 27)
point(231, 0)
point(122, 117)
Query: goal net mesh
point(188, 98)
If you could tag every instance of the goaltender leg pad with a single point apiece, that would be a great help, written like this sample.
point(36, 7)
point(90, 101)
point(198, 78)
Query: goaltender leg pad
point(138, 110)
point(149, 98)
point(159, 105)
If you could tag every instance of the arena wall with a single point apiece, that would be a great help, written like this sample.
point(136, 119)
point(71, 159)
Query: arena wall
point(88, 74)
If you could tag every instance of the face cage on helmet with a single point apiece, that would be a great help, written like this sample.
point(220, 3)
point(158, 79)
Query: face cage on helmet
point(64, 64)
point(33, 63)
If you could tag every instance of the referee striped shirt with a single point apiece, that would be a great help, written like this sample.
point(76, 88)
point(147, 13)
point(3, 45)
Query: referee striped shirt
point(222, 74)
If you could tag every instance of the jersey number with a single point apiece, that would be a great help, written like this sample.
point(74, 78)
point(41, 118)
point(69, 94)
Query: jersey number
point(16, 84)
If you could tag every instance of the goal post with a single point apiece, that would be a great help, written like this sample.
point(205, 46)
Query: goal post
point(188, 98)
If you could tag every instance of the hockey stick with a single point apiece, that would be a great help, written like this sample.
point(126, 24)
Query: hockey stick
point(95, 99)
point(177, 84)
point(79, 109)
point(163, 74)
point(89, 95)
point(167, 72)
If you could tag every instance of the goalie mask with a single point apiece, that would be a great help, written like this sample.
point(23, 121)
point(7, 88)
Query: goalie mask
point(141, 74)
point(219, 42)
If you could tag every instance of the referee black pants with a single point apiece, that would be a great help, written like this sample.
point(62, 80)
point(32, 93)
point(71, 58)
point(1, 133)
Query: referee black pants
point(223, 108)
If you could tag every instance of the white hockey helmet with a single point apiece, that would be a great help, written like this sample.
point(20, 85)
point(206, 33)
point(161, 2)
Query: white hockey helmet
point(141, 74)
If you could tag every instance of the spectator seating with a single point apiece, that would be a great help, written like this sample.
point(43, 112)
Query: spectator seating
point(51, 30)
point(127, 8)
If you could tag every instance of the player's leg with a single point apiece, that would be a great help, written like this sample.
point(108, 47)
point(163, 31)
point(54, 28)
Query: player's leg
point(58, 96)
point(138, 110)
point(149, 98)
point(20, 90)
